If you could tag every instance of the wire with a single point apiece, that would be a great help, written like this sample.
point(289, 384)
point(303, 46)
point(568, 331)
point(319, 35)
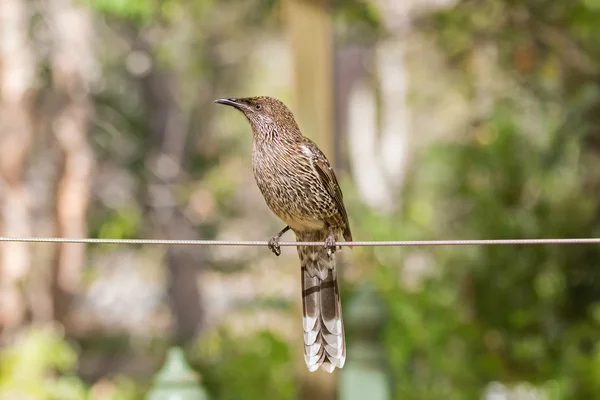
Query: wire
point(265, 243)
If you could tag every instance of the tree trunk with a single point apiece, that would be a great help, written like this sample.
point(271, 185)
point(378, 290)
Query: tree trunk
point(17, 75)
point(168, 132)
point(73, 68)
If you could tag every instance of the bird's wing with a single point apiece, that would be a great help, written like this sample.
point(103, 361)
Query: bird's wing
point(330, 182)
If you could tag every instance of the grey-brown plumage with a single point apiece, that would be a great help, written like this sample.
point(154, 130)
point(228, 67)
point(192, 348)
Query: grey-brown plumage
point(300, 187)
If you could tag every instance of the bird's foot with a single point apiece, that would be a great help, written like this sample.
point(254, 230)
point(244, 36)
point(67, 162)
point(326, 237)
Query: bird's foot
point(274, 245)
point(330, 244)
point(274, 241)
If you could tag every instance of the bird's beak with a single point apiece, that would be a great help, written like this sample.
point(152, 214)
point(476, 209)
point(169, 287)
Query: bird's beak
point(233, 103)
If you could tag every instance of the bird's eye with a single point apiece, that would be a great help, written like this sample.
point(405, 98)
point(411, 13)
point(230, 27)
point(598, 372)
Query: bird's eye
point(258, 107)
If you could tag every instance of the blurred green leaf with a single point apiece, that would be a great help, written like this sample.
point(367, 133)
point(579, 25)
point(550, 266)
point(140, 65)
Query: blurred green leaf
point(134, 9)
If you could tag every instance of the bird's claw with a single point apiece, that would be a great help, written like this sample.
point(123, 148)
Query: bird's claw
point(274, 245)
point(330, 246)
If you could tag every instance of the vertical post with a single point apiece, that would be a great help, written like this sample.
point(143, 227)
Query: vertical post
point(308, 23)
point(364, 375)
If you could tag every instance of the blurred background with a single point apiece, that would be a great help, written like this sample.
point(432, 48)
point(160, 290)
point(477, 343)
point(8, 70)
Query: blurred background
point(445, 119)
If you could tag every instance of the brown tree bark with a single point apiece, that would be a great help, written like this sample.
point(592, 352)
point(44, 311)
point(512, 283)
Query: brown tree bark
point(17, 76)
point(73, 69)
point(168, 132)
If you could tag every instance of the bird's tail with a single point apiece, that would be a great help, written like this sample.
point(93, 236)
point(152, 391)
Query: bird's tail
point(324, 343)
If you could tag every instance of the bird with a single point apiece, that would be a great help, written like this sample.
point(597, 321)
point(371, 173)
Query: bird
point(300, 187)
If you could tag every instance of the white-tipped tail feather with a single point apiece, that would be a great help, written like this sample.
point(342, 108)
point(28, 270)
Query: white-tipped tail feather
point(324, 344)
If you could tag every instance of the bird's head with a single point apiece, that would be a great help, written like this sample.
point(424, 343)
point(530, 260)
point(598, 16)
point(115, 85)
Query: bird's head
point(264, 113)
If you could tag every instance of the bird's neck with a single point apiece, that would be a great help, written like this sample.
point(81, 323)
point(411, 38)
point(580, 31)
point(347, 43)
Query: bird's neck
point(272, 134)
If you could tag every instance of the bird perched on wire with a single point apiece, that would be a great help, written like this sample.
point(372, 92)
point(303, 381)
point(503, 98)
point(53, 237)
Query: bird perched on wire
point(300, 187)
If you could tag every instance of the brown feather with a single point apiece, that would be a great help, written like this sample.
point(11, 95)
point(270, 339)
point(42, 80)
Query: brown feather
point(324, 344)
point(300, 187)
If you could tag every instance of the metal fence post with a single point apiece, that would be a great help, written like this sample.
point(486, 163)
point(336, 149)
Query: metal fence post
point(176, 380)
point(364, 376)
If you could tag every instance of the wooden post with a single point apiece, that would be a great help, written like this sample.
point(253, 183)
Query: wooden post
point(308, 25)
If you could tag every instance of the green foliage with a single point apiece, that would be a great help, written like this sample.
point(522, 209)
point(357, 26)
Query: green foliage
point(358, 19)
point(255, 366)
point(123, 223)
point(473, 315)
point(463, 317)
point(28, 366)
point(531, 36)
point(42, 365)
point(139, 10)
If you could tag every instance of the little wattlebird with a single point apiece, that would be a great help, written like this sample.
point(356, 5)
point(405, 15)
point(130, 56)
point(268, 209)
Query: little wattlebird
point(300, 187)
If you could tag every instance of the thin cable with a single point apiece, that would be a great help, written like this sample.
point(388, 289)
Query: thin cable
point(265, 243)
